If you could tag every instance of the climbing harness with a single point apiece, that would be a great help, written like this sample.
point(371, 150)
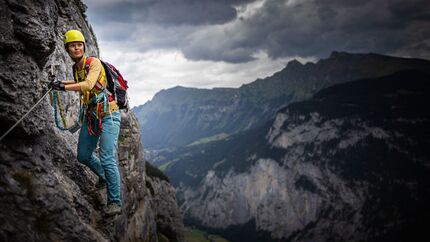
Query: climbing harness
point(97, 106)
point(93, 103)
point(25, 115)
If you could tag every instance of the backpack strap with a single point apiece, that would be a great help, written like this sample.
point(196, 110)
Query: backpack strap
point(75, 71)
point(100, 82)
point(109, 82)
point(88, 62)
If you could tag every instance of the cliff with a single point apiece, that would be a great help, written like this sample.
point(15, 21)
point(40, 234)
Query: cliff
point(45, 193)
point(349, 164)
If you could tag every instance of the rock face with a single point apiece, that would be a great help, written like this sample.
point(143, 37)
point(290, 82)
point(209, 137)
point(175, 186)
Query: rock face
point(45, 193)
point(150, 202)
point(180, 116)
point(350, 164)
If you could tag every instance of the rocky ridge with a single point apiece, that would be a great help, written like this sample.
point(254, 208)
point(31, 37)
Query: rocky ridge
point(181, 116)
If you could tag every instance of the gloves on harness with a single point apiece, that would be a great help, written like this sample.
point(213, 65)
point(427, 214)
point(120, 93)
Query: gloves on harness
point(57, 85)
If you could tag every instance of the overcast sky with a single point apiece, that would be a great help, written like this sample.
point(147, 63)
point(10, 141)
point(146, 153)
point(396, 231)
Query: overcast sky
point(158, 44)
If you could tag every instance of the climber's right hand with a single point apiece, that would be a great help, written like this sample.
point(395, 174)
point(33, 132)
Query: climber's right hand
point(57, 85)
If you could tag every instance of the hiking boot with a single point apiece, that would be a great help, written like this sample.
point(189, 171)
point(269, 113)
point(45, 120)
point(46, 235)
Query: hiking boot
point(113, 209)
point(101, 184)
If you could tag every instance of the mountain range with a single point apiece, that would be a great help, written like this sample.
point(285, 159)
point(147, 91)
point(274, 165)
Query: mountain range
point(182, 116)
point(338, 147)
point(349, 164)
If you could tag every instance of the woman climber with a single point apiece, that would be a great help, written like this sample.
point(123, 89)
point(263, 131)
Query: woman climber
point(99, 116)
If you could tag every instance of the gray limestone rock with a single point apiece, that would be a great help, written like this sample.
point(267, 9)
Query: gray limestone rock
point(45, 193)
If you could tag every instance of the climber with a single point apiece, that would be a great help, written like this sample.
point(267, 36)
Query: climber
point(100, 119)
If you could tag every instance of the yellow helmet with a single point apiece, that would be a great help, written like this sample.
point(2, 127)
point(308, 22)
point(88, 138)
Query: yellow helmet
point(72, 36)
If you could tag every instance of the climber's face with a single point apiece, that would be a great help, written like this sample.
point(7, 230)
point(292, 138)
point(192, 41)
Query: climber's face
point(76, 49)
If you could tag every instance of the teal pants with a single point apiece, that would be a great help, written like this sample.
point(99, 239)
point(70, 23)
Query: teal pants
point(104, 167)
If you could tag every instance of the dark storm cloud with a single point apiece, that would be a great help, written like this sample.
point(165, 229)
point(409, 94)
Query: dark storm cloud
point(214, 30)
point(315, 28)
point(148, 24)
point(165, 12)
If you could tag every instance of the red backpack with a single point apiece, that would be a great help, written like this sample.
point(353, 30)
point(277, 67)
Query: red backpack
point(116, 85)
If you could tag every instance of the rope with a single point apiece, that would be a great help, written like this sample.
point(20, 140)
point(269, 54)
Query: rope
point(75, 127)
point(25, 115)
point(57, 122)
point(61, 113)
point(93, 111)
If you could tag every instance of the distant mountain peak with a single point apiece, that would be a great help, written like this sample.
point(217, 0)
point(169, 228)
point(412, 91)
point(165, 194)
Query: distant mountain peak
point(294, 64)
point(339, 54)
point(347, 55)
point(178, 87)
